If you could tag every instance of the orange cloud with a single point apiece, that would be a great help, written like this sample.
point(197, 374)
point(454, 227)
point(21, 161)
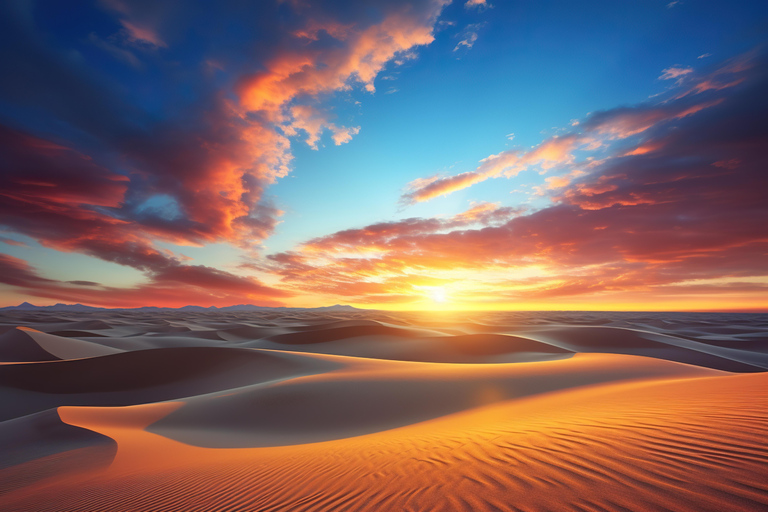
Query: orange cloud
point(675, 72)
point(177, 286)
point(683, 204)
point(597, 131)
point(311, 72)
point(142, 34)
point(426, 189)
point(199, 177)
point(550, 153)
point(644, 149)
point(314, 123)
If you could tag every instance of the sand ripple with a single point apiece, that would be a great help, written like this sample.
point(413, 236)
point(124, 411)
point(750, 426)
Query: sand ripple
point(369, 411)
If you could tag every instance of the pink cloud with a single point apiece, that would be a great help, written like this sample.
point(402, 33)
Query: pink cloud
point(684, 204)
point(200, 177)
point(598, 130)
point(675, 72)
point(550, 153)
point(176, 286)
point(142, 34)
point(312, 72)
point(314, 123)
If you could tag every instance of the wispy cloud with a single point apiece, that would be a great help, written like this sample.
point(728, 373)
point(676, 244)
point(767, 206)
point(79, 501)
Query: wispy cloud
point(675, 72)
point(113, 179)
point(143, 35)
point(678, 201)
point(468, 36)
point(174, 286)
point(597, 131)
point(468, 42)
point(475, 3)
point(118, 53)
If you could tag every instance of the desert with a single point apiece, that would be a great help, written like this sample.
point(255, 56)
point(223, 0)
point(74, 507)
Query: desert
point(371, 410)
point(383, 256)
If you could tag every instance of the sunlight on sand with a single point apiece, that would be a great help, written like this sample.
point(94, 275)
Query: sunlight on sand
point(372, 411)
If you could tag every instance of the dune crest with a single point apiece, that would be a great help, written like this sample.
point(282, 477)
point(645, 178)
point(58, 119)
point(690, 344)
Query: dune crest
point(371, 411)
point(26, 344)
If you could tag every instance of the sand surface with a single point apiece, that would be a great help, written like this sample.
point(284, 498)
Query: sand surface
point(284, 411)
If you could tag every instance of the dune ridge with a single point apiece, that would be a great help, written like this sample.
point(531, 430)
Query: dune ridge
point(355, 410)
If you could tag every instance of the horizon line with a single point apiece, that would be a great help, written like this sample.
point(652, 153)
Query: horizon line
point(431, 311)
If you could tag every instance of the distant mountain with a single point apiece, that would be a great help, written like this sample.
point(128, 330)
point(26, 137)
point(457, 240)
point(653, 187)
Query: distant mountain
point(26, 306)
point(337, 307)
point(79, 308)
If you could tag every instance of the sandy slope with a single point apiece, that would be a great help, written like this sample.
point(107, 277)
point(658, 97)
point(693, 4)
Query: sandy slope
point(645, 445)
point(26, 344)
point(388, 412)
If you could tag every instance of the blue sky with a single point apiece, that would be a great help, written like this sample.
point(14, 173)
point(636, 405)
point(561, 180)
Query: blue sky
point(533, 68)
point(193, 120)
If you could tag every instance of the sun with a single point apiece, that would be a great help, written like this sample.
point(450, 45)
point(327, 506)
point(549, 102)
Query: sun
point(438, 295)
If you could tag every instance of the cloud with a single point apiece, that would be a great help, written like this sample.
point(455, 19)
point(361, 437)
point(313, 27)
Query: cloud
point(469, 36)
point(598, 131)
point(676, 204)
point(625, 122)
point(359, 263)
point(178, 285)
point(550, 153)
point(142, 34)
point(118, 53)
point(310, 72)
point(675, 72)
point(16, 272)
point(140, 23)
point(342, 135)
point(557, 182)
point(376, 237)
point(100, 163)
point(11, 241)
point(468, 42)
point(314, 123)
point(425, 189)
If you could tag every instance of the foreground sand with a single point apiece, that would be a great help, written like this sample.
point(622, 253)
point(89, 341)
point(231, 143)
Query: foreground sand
point(366, 411)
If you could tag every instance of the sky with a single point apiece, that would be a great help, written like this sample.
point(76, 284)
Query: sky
point(414, 155)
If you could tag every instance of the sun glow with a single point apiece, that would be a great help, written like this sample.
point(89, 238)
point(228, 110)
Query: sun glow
point(438, 294)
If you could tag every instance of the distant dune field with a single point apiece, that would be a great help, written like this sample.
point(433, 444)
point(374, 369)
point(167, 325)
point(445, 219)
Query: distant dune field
point(364, 410)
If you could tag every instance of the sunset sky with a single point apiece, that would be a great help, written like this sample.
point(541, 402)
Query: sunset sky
point(498, 154)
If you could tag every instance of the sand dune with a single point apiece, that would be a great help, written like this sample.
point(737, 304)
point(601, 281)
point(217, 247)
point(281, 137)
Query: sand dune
point(382, 411)
point(652, 445)
point(466, 348)
point(664, 346)
point(26, 344)
point(363, 397)
point(40, 446)
point(142, 377)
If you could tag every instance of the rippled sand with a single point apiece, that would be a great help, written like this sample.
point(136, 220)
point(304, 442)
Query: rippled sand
point(378, 411)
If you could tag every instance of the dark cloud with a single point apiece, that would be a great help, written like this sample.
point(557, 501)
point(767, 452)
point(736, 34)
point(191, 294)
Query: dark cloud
point(180, 146)
point(681, 201)
point(175, 286)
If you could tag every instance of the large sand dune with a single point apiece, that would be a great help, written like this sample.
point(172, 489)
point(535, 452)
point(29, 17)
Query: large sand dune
point(121, 411)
